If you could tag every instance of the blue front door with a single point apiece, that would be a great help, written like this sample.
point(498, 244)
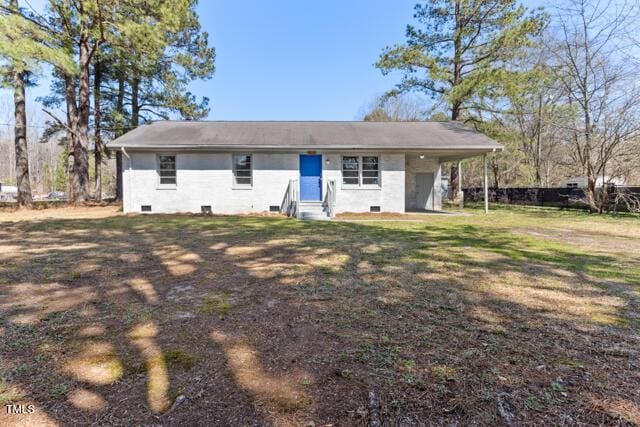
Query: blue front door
point(310, 177)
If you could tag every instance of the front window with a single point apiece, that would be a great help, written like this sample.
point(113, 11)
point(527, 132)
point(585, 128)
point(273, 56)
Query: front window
point(364, 170)
point(242, 170)
point(167, 170)
point(370, 170)
point(350, 170)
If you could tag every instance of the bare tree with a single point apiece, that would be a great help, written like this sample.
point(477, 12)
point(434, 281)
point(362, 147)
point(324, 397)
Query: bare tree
point(533, 107)
point(7, 151)
point(627, 199)
point(396, 108)
point(44, 151)
point(600, 87)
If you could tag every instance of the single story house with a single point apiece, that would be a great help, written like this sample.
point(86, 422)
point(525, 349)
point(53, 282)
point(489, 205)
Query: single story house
point(304, 169)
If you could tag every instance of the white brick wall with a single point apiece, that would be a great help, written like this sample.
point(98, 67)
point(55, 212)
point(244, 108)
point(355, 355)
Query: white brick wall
point(206, 178)
point(389, 195)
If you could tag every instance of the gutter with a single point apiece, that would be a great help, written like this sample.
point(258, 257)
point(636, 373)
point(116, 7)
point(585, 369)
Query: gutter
point(301, 148)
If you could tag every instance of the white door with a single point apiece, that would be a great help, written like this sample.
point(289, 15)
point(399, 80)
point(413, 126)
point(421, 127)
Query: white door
point(424, 191)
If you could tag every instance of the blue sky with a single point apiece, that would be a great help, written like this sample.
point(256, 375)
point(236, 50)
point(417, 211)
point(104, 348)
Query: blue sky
point(295, 60)
point(299, 60)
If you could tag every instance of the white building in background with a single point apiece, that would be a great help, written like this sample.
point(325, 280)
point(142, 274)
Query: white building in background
point(581, 182)
point(8, 189)
point(8, 193)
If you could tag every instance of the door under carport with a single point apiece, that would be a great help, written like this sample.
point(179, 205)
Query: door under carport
point(424, 191)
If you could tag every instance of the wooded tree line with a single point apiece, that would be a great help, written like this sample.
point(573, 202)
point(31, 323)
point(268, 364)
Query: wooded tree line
point(47, 157)
point(116, 64)
point(47, 163)
point(558, 87)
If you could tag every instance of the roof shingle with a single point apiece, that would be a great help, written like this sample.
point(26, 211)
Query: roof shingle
point(305, 135)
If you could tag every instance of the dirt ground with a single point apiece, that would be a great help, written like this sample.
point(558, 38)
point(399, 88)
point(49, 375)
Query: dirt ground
point(519, 317)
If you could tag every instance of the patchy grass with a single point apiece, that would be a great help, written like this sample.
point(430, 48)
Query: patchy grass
point(217, 303)
point(179, 358)
point(107, 319)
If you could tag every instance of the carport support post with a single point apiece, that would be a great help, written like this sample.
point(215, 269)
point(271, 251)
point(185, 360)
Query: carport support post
point(486, 186)
point(460, 192)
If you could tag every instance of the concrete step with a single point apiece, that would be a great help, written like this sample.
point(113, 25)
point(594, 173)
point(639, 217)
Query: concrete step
point(314, 216)
point(311, 207)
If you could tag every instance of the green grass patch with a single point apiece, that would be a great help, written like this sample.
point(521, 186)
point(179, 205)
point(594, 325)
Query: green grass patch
point(178, 358)
point(215, 304)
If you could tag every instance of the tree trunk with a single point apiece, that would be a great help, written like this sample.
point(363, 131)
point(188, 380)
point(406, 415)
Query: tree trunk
point(22, 153)
point(97, 142)
point(119, 132)
point(72, 127)
point(495, 168)
point(20, 132)
point(538, 152)
point(118, 175)
point(590, 194)
point(135, 106)
point(456, 104)
point(72, 112)
point(120, 102)
point(454, 180)
point(585, 105)
point(80, 178)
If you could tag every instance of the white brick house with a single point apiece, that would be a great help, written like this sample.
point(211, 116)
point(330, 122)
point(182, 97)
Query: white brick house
point(302, 168)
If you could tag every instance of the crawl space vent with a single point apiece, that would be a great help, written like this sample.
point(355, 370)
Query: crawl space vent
point(274, 208)
point(374, 209)
point(206, 210)
point(145, 208)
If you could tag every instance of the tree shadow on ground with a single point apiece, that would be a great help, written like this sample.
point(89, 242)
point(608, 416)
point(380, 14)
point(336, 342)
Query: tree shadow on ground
point(272, 321)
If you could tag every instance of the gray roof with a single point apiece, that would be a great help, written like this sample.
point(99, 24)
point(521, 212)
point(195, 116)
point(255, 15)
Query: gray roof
point(218, 135)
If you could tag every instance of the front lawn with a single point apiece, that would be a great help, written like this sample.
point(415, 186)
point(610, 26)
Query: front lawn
point(522, 316)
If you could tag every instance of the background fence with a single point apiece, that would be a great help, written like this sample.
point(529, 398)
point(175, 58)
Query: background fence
point(533, 196)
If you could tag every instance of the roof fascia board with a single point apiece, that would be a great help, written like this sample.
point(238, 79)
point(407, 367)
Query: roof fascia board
point(297, 148)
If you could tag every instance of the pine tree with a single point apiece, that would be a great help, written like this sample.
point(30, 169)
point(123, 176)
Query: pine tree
point(24, 44)
point(140, 57)
point(148, 65)
point(458, 54)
